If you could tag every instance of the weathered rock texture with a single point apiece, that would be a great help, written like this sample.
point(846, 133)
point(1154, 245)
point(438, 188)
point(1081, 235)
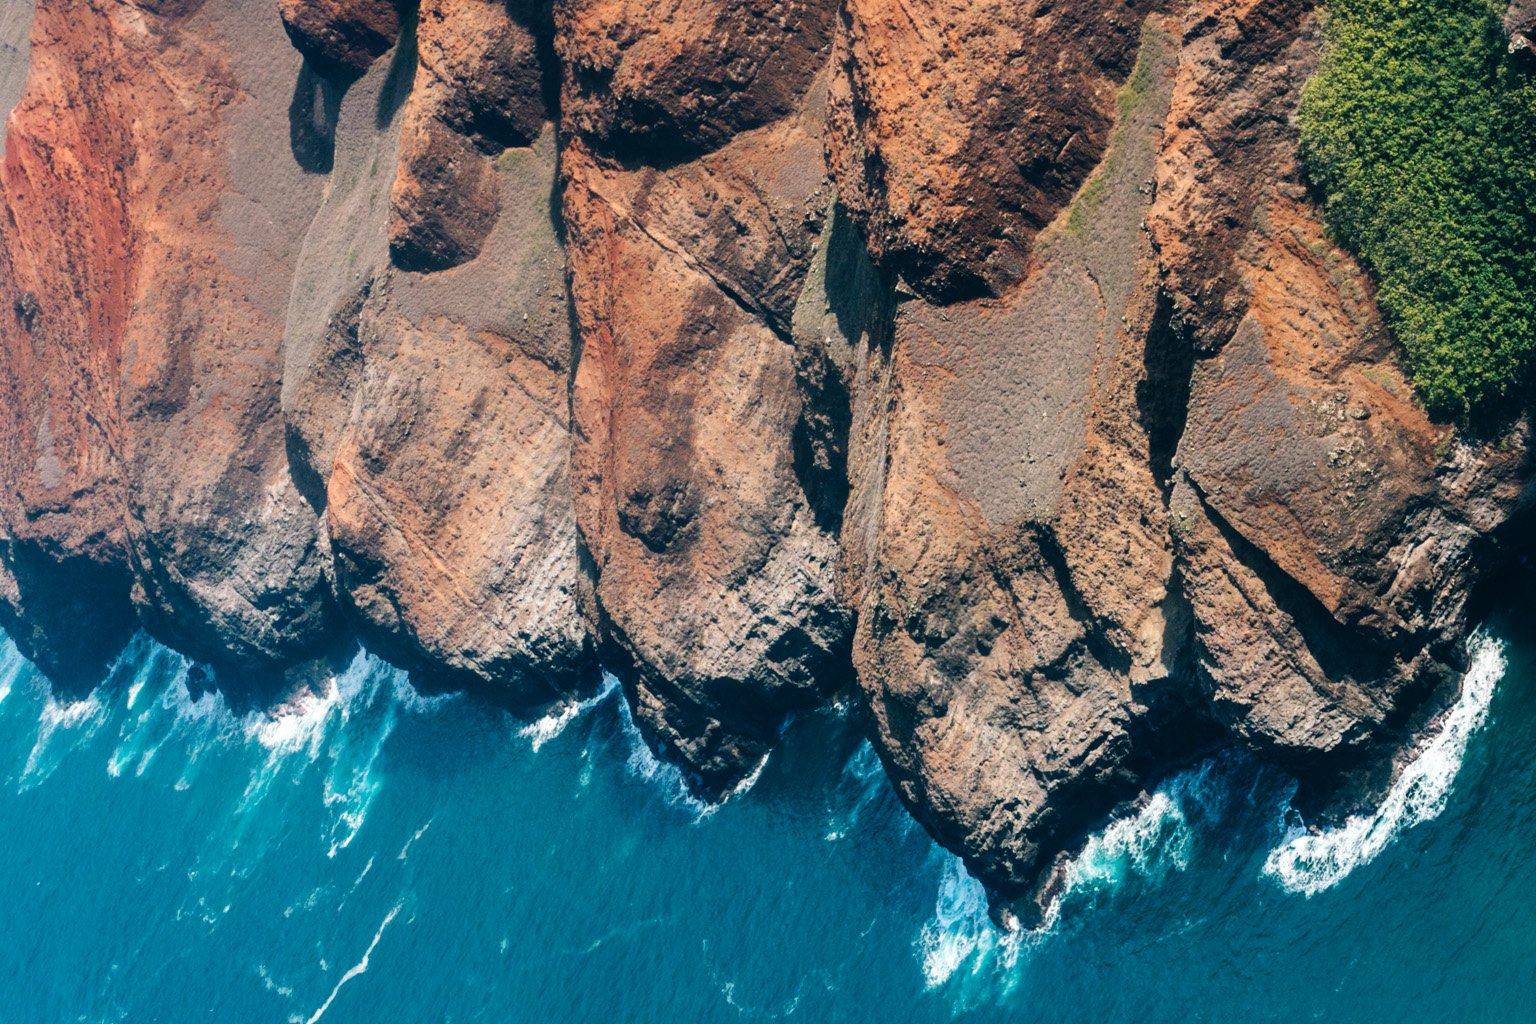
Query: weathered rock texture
point(1520, 25)
point(712, 577)
point(962, 126)
point(985, 361)
point(342, 37)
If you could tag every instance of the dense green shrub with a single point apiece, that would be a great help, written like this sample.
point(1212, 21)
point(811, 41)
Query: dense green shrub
point(1420, 130)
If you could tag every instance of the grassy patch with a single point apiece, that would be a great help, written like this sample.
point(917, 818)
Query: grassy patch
point(1086, 202)
point(1138, 85)
point(1420, 129)
point(1128, 98)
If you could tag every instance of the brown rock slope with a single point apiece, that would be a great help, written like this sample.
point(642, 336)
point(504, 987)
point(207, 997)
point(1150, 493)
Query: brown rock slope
point(712, 577)
point(962, 126)
point(143, 350)
point(1014, 671)
point(988, 357)
point(427, 399)
point(341, 37)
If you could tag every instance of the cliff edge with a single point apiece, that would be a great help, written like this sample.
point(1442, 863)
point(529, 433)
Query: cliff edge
point(988, 361)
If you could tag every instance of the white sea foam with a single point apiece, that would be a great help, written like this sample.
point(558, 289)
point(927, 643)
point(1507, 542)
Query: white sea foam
point(406, 849)
point(960, 932)
point(82, 717)
point(297, 725)
point(12, 664)
point(666, 777)
point(271, 983)
point(67, 714)
point(353, 811)
point(206, 712)
point(1310, 863)
point(551, 725)
point(748, 781)
point(368, 714)
point(1157, 837)
point(361, 967)
point(339, 731)
point(413, 701)
point(357, 882)
point(347, 724)
point(202, 723)
point(163, 674)
point(959, 940)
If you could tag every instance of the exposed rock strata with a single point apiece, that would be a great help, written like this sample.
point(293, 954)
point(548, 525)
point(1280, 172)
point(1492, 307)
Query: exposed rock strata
point(145, 335)
point(989, 358)
point(712, 577)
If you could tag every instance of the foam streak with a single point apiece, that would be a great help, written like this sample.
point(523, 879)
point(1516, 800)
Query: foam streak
point(1310, 863)
point(361, 967)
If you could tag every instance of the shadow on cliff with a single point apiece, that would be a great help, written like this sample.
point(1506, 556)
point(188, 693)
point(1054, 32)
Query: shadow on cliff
point(862, 298)
point(318, 92)
point(312, 115)
point(401, 74)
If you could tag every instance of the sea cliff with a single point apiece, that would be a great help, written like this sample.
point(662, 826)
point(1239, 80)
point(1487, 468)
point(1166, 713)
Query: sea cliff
point(989, 364)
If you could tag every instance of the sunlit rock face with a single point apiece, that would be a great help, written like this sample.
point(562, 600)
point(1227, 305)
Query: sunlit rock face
point(985, 365)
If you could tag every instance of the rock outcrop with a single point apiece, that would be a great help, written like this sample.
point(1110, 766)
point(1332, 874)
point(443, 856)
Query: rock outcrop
point(962, 126)
point(341, 37)
point(986, 363)
point(712, 578)
point(1520, 25)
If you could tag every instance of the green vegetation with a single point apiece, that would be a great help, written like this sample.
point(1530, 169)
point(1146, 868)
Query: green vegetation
point(1154, 49)
point(1086, 203)
point(1136, 88)
point(1420, 129)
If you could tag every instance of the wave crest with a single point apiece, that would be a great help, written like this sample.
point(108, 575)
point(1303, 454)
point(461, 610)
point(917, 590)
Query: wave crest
point(1308, 863)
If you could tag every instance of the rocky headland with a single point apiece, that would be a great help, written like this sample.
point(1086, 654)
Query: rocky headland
point(989, 362)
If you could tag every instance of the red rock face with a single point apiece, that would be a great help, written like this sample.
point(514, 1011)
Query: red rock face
point(164, 329)
point(985, 362)
point(712, 577)
point(65, 198)
point(662, 81)
point(961, 127)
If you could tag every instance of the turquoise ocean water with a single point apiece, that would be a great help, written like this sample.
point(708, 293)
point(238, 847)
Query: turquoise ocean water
point(375, 856)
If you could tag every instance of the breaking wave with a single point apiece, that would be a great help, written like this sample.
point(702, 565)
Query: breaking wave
point(368, 708)
point(960, 933)
point(83, 717)
point(335, 734)
point(1157, 837)
point(335, 740)
point(556, 721)
point(666, 777)
point(1309, 863)
point(1153, 840)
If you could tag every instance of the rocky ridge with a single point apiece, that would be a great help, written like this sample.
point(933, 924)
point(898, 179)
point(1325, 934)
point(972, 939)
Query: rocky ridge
point(988, 362)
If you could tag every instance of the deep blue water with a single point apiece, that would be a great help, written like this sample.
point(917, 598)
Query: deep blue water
point(377, 857)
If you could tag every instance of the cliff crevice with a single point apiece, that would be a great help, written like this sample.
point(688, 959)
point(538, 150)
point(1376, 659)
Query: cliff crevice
point(987, 364)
